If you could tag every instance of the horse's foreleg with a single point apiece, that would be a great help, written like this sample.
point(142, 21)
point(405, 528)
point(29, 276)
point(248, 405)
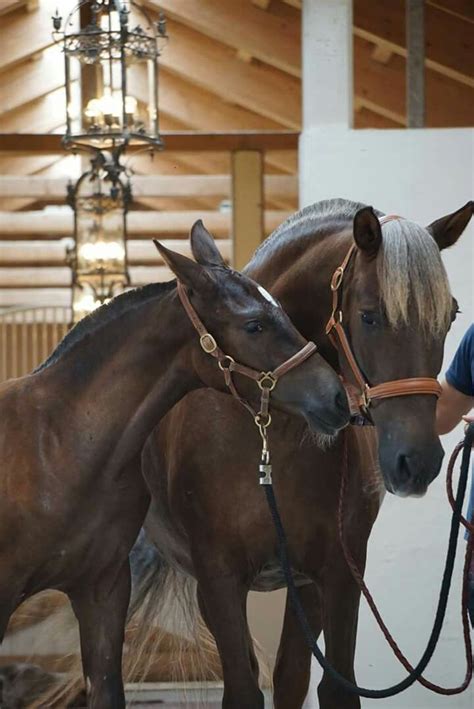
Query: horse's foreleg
point(293, 666)
point(223, 601)
point(340, 601)
point(101, 609)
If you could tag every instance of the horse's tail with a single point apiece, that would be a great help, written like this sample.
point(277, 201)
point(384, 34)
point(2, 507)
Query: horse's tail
point(166, 635)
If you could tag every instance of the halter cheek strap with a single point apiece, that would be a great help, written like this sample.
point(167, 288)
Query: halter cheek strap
point(362, 397)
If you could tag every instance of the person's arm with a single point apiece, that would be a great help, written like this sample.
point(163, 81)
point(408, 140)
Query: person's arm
point(452, 407)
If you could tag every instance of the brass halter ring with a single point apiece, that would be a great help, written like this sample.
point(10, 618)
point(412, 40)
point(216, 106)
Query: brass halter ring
point(263, 421)
point(267, 381)
point(226, 364)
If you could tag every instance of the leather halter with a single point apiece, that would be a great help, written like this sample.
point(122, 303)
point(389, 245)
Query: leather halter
point(266, 381)
point(366, 394)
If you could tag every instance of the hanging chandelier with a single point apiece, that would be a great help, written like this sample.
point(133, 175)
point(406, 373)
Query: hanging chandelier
point(111, 74)
point(98, 257)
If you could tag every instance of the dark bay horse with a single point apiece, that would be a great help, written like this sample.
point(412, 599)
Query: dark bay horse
point(71, 505)
point(397, 309)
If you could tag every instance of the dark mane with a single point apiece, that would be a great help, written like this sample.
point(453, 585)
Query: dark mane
point(106, 313)
point(309, 220)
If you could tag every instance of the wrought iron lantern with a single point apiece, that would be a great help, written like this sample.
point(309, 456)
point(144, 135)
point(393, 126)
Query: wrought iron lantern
point(98, 257)
point(111, 69)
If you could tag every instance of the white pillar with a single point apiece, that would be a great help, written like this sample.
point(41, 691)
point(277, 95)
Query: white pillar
point(327, 62)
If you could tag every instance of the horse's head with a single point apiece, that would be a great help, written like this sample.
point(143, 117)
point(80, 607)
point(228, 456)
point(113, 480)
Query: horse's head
point(397, 311)
point(251, 327)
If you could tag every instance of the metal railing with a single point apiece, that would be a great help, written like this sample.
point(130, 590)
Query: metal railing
point(27, 337)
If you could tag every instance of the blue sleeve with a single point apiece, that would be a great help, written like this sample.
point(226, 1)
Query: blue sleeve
point(460, 374)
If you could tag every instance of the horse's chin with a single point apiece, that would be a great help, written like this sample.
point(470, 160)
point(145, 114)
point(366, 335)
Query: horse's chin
point(406, 491)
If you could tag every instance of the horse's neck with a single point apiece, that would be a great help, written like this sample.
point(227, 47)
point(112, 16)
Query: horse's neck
point(299, 275)
point(113, 387)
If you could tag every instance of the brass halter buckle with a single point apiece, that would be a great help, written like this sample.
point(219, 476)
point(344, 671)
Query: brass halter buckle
point(366, 400)
point(337, 277)
point(208, 343)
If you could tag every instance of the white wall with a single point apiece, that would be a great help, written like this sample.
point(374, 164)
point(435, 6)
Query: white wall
point(420, 174)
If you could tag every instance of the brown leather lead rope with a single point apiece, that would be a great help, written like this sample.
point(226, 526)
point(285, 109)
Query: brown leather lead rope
point(266, 381)
point(359, 579)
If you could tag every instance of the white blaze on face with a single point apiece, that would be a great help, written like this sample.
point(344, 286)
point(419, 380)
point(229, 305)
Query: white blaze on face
point(267, 296)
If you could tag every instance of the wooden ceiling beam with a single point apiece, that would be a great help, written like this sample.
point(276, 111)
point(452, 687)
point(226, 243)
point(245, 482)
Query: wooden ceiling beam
point(186, 141)
point(30, 297)
point(38, 254)
point(60, 277)
point(31, 80)
point(365, 117)
point(450, 45)
point(241, 26)
point(464, 9)
point(51, 226)
point(448, 103)
point(7, 6)
point(25, 35)
point(44, 115)
point(39, 187)
point(259, 88)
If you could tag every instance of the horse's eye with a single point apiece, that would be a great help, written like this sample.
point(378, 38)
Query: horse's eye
point(254, 326)
point(369, 318)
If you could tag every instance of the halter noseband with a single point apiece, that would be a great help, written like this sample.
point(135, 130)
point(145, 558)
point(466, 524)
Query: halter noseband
point(366, 394)
point(266, 381)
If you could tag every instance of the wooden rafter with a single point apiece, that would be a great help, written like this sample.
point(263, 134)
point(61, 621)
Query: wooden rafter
point(180, 141)
point(31, 80)
point(259, 88)
point(450, 48)
point(373, 80)
point(24, 35)
point(242, 26)
point(39, 187)
point(37, 254)
point(51, 226)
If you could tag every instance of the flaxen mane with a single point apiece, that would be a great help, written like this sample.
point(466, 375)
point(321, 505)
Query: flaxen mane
point(409, 266)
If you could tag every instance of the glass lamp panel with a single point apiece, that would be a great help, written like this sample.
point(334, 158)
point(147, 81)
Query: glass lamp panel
point(101, 238)
point(84, 301)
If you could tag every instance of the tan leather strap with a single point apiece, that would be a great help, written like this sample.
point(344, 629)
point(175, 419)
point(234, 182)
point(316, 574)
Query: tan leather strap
point(405, 387)
point(294, 361)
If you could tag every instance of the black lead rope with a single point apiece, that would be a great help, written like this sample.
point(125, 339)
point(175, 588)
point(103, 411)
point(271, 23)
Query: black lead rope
point(443, 595)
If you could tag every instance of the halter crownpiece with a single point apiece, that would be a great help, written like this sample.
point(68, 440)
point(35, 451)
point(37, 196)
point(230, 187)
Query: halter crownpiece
point(361, 401)
point(266, 381)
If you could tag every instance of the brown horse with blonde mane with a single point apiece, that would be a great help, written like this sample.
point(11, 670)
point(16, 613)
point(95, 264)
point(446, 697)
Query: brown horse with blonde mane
point(71, 503)
point(209, 520)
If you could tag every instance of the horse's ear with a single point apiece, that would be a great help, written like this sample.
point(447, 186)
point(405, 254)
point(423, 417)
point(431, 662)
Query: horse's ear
point(367, 231)
point(190, 273)
point(204, 247)
point(447, 230)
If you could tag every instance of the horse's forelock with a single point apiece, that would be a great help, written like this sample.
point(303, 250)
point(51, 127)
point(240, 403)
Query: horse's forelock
point(412, 278)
